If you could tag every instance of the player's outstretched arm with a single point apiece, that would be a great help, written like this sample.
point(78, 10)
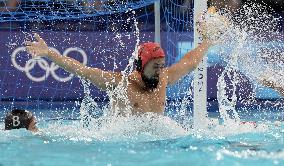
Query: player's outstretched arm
point(188, 63)
point(101, 79)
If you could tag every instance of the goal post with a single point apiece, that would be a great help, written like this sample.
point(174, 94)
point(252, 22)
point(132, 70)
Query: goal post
point(200, 73)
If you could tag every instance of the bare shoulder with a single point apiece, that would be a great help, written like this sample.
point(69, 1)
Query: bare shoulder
point(135, 80)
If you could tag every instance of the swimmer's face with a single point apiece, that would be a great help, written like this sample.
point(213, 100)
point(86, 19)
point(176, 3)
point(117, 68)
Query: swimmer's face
point(154, 68)
point(32, 125)
point(152, 71)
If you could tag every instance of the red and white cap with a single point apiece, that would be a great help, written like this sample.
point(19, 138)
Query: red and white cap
point(148, 51)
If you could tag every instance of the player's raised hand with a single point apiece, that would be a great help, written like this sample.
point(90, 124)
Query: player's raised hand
point(37, 48)
point(211, 25)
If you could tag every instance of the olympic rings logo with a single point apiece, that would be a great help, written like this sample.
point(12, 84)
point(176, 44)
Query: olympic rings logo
point(43, 64)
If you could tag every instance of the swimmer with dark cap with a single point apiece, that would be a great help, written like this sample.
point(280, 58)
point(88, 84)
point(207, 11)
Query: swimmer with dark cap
point(17, 119)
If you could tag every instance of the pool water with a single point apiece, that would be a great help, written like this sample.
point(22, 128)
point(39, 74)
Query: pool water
point(144, 140)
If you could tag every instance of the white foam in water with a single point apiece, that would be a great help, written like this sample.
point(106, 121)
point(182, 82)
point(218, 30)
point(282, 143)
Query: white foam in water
point(147, 127)
point(246, 154)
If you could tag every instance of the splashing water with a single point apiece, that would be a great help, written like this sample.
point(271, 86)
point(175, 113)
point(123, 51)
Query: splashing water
point(256, 46)
point(102, 132)
point(118, 96)
point(249, 42)
point(146, 127)
point(237, 51)
point(118, 122)
point(254, 36)
point(89, 108)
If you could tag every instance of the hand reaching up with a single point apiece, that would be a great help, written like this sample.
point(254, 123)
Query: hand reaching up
point(211, 25)
point(37, 48)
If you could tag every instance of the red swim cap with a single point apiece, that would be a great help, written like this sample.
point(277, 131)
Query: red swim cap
point(149, 51)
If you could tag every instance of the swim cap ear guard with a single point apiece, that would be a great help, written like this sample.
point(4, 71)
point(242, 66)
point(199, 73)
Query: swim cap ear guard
point(138, 64)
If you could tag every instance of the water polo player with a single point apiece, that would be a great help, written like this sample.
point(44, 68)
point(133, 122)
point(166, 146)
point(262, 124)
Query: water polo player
point(17, 119)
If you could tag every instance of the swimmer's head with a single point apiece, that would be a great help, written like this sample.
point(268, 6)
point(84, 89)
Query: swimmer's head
point(17, 119)
point(150, 62)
